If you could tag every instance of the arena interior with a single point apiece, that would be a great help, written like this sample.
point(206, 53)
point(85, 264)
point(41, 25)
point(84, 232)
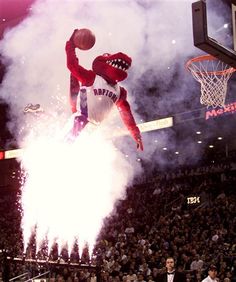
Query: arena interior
point(175, 199)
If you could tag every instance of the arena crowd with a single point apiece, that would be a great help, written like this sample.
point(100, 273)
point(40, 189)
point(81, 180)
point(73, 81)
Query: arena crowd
point(189, 214)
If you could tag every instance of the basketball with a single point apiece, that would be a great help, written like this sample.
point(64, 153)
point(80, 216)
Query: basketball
point(84, 39)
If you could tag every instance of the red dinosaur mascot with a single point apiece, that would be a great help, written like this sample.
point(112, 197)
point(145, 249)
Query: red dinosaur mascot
point(94, 92)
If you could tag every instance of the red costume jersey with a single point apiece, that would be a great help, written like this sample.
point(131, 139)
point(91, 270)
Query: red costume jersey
point(98, 90)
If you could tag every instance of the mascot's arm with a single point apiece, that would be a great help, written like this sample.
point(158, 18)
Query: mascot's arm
point(86, 77)
point(128, 119)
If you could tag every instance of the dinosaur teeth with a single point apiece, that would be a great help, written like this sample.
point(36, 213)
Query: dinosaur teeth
point(119, 64)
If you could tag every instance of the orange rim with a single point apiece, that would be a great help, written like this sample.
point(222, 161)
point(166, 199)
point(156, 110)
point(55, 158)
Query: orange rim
point(208, 58)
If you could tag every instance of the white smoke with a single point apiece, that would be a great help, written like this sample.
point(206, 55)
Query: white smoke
point(35, 48)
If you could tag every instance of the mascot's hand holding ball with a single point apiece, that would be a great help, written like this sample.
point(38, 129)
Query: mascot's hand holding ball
point(93, 93)
point(83, 38)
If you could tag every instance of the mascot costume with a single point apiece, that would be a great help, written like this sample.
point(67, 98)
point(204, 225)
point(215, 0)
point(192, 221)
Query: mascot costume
point(93, 93)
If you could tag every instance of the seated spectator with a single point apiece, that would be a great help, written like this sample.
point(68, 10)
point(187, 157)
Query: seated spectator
point(197, 263)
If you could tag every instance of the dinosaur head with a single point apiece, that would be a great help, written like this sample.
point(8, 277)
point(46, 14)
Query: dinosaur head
point(113, 68)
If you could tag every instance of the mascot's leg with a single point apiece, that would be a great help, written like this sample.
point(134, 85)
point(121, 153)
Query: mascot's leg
point(79, 123)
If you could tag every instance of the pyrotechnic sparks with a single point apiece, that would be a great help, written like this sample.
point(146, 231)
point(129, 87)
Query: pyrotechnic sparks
point(70, 188)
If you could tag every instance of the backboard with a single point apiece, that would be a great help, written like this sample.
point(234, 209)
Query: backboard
point(210, 45)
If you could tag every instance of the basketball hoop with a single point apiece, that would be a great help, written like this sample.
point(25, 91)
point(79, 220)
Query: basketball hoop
point(213, 76)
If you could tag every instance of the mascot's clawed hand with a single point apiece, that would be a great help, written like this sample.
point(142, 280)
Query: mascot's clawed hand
point(93, 93)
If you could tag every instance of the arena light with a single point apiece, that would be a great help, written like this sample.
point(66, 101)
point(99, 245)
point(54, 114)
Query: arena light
point(11, 154)
point(156, 124)
point(148, 126)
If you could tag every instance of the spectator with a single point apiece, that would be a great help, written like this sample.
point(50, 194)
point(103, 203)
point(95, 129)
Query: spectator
point(197, 263)
point(93, 277)
point(140, 278)
point(212, 273)
point(171, 274)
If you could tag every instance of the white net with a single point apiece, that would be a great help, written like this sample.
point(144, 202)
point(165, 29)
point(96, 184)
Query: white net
point(213, 76)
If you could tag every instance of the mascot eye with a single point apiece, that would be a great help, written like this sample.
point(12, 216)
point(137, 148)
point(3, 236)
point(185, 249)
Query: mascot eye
point(106, 54)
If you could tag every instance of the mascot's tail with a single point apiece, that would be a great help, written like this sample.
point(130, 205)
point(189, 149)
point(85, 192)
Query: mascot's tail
point(30, 108)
